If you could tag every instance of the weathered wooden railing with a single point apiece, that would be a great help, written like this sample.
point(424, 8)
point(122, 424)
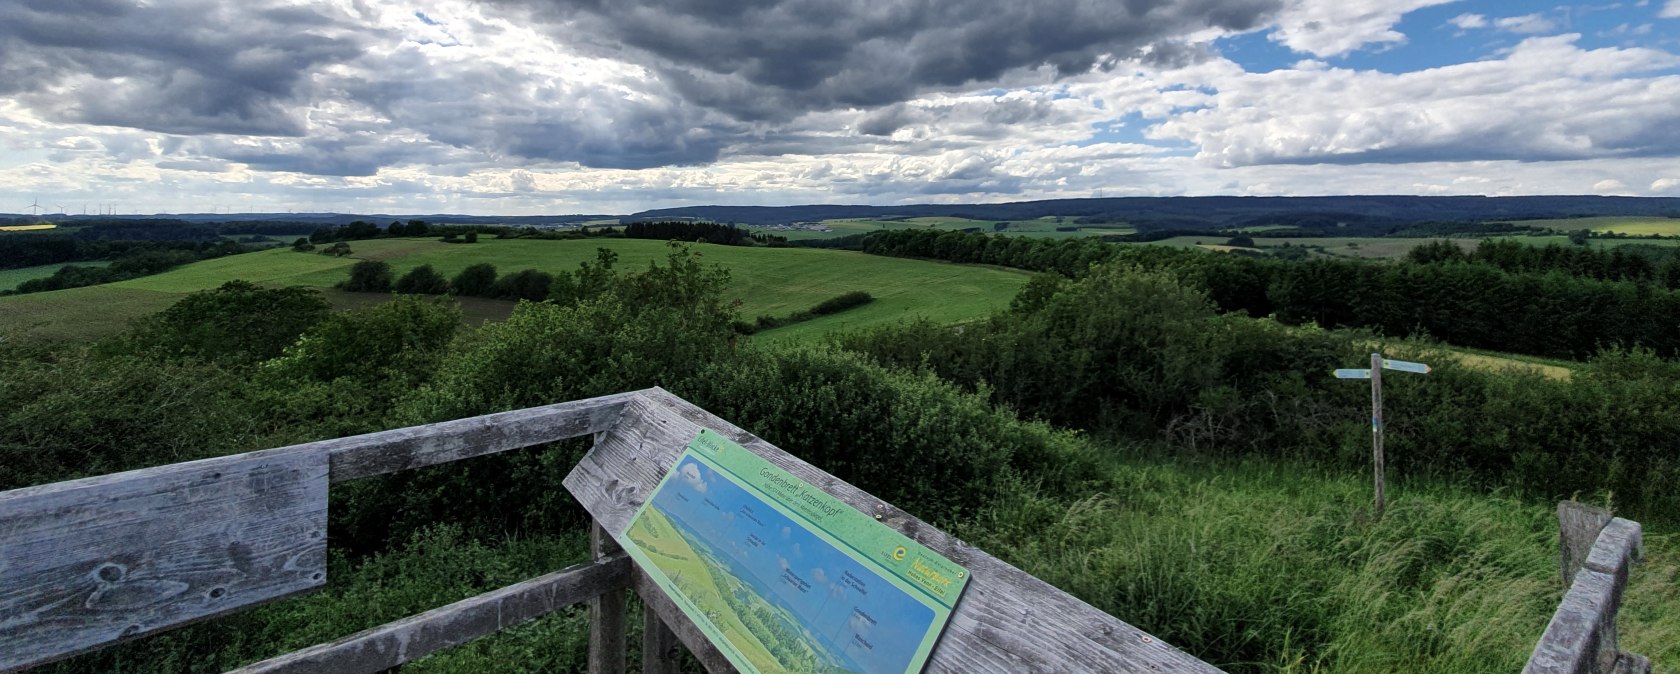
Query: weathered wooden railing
point(87, 563)
point(1597, 552)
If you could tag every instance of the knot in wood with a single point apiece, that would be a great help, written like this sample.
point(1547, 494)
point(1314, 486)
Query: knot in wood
point(111, 572)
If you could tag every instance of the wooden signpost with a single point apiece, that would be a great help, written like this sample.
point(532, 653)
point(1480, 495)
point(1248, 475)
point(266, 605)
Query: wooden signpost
point(1378, 364)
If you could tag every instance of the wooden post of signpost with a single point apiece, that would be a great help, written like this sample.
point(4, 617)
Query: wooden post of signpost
point(1377, 430)
point(1378, 364)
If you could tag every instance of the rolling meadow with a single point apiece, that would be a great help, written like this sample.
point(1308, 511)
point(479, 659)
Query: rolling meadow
point(1126, 430)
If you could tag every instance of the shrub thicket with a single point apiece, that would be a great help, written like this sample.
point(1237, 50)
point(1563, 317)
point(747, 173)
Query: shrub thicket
point(369, 276)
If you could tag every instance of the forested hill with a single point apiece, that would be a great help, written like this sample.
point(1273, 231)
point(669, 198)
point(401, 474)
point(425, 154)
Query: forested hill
point(1208, 212)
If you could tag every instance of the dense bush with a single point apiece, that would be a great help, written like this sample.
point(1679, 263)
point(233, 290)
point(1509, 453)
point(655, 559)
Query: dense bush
point(1134, 351)
point(527, 284)
point(475, 281)
point(423, 280)
point(238, 321)
point(832, 305)
point(368, 276)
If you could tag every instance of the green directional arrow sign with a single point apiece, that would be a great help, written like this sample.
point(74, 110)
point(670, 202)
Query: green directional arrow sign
point(1405, 366)
point(1353, 374)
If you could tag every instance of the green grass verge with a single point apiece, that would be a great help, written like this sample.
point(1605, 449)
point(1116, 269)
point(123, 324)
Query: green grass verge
point(1264, 566)
point(1334, 246)
point(776, 281)
point(11, 278)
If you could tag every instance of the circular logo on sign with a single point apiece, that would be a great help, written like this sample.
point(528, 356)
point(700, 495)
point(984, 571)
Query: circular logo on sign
point(898, 553)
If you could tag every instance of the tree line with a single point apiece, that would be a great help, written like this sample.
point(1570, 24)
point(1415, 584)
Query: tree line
point(482, 280)
point(708, 232)
point(135, 262)
point(1468, 301)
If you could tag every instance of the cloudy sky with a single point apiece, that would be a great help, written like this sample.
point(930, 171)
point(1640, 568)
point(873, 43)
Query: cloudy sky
point(611, 106)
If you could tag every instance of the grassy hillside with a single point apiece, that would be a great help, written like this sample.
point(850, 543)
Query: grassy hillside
point(776, 281)
point(10, 278)
point(1630, 225)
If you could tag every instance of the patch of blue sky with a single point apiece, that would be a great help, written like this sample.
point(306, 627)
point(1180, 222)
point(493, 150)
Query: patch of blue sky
point(1256, 53)
point(1132, 128)
point(1433, 40)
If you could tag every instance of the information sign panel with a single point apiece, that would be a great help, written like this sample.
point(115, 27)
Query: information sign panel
point(783, 577)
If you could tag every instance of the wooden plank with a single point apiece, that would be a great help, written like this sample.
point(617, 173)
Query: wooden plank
point(1571, 642)
point(1007, 620)
point(1619, 545)
point(408, 448)
point(1578, 527)
point(93, 561)
point(417, 636)
point(661, 651)
point(607, 613)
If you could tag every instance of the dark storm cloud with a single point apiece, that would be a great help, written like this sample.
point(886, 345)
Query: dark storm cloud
point(175, 67)
point(501, 111)
point(772, 59)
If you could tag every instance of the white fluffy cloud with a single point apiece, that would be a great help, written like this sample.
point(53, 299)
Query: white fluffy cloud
point(1670, 10)
point(458, 106)
point(1336, 27)
point(1547, 99)
point(1526, 24)
point(1469, 21)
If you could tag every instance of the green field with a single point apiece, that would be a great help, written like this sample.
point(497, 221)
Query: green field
point(1630, 225)
point(1334, 246)
point(11, 278)
point(775, 281)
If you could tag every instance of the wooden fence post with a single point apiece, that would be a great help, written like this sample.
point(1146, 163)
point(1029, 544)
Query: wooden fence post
point(660, 647)
point(606, 614)
point(1578, 528)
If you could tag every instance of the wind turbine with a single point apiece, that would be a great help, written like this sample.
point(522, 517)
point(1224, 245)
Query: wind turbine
point(35, 208)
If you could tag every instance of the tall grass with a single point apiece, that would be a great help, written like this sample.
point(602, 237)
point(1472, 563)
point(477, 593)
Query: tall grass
point(1262, 567)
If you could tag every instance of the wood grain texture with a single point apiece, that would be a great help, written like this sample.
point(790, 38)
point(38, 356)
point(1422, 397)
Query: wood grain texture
point(607, 612)
point(1578, 527)
point(93, 561)
point(1620, 544)
point(1006, 621)
point(408, 448)
point(414, 637)
point(1572, 640)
